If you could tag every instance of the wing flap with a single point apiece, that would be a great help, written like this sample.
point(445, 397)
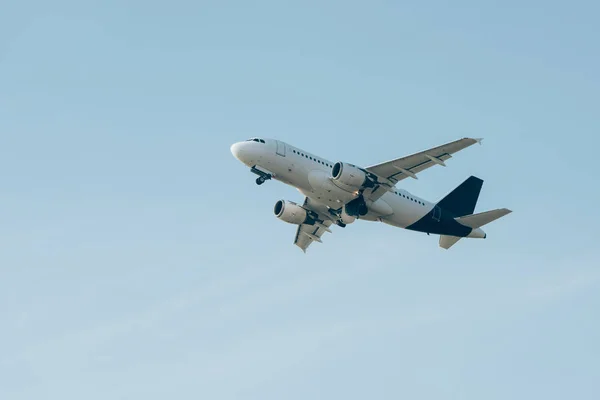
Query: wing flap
point(409, 166)
point(306, 234)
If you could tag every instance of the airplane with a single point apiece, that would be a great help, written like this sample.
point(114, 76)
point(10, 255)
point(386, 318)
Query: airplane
point(340, 193)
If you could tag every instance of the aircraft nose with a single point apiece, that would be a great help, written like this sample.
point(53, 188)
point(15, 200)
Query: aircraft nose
point(236, 150)
point(244, 152)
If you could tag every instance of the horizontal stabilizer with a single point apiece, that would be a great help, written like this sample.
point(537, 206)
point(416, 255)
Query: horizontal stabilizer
point(478, 220)
point(447, 241)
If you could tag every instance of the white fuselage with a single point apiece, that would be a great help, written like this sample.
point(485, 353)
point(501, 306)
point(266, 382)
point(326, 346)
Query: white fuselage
point(311, 175)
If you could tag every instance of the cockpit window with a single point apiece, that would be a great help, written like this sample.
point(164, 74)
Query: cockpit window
point(255, 140)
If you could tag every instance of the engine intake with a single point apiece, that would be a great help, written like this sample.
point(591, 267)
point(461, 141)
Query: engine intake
point(350, 175)
point(290, 212)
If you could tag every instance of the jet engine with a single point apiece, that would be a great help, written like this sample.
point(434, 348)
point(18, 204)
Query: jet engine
point(351, 176)
point(357, 207)
point(290, 212)
point(346, 218)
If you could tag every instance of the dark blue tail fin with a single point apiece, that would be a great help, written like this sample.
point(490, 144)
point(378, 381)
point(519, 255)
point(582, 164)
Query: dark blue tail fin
point(462, 200)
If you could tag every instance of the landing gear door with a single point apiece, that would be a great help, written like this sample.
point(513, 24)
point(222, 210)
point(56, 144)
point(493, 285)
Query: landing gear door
point(280, 148)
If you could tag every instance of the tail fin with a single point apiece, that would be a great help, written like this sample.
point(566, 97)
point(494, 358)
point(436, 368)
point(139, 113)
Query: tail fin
point(462, 200)
point(478, 220)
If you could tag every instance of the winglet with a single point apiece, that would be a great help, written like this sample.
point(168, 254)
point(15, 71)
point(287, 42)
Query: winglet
point(478, 140)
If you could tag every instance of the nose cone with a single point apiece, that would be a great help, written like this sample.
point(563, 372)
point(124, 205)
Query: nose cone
point(244, 152)
point(236, 150)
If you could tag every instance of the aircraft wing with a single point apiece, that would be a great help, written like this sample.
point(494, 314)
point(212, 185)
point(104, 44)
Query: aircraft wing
point(409, 166)
point(307, 234)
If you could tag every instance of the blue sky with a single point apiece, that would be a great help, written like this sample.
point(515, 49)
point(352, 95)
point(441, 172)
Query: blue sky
point(139, 259)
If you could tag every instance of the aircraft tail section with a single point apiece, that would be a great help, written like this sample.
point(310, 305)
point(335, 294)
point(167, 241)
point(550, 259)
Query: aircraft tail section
point(474, 221)
point(478, 220)
point(447, 241)
point(462, 200)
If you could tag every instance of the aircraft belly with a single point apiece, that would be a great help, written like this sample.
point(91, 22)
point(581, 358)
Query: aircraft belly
point(404, 213)
point(401, 219)
point(380, 208)
point(317, 185)
point(322, 189)
point(288, 172)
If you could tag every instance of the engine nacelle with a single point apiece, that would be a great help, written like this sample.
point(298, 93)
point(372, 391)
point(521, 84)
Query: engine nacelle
point(346, 219)
point(290, 212)
point(349, 175)
point(357, 207)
